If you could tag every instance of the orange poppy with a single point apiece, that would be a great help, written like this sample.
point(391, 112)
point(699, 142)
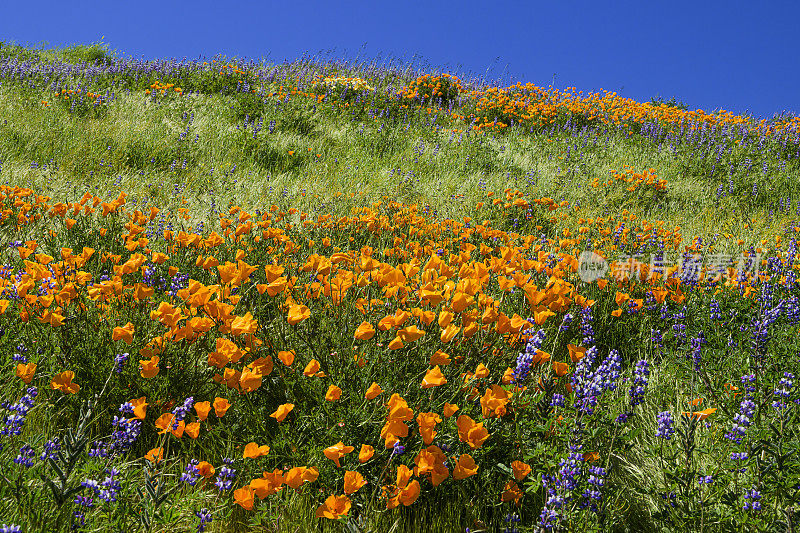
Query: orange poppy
point(433, 378)
point(373, 391)
point(366, 453)
point(520, 470)
point(26, 371)
point(155, 455)
point(63, 382)
point(333, 394)
point(125, 333)
point(254, 451)
point(337, 451)
point(202, 409)
point(465, 467)
point(221, 406)
point(353, 481)
point(282, 411)
point(365, 331)
point(297, 313)
point(335, 507)
point(244, 497)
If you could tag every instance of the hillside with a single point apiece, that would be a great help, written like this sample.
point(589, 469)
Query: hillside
point(336, 296)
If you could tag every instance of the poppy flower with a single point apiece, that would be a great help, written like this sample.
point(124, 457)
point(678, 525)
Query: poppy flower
point(140, 407)
point(576, 353)
point(373, 391)
point(286, 357)
point(221, 406)
point(334, 507)
point(366, 453)
point(440, 358)
point(337, 451)
point(26, 371)
point(202, 409)
point(353, 481)
point(311, 368)
point(63, 382)
point(561, 369)
point(269, 484)
point(244, 497)
point(520, 470)
point(282, 411)
point(471, 432)
point(511, 492)
point(298, 475)
point(465, 467)
point(481, 372)
point(396, 344)
point(702, 415)
point(125, 333)
point(449, 410)
point(409, 494)
point(410, 334)
point(254, 451)
point(297, 313)
point(426, 423)
point(333, 394)
point(433, 378)
point(149, 367)
point(365, 331)
point(193, 430)
point(155, 455)
point(205, 469)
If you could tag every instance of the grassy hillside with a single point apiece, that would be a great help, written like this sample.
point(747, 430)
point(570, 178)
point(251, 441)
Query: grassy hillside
point(399, 262)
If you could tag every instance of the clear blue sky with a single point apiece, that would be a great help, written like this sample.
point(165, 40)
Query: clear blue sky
point(739, 56)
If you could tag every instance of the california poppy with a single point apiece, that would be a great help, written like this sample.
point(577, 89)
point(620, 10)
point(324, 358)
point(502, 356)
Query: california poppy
point(254, 451)
point(282, 411)
point(63, 382)
point(334, 507)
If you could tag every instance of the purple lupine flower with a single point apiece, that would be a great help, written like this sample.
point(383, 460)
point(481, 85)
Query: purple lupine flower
point(586, 326)
point(666, 425)
point(697, 346)
point(225, 476)
point(640, 374)
point(742, 420)
point(190, 475)
point(181, 411)
point(752, 500)
point(119, 362)
point(205, 518)
point(525, 358)
point(25, 456)
point(783, 391)
point(50, 448)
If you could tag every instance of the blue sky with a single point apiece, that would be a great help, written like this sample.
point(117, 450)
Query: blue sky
point(739, 56)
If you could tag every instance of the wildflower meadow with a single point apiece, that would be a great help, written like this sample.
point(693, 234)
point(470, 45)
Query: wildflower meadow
point(330, 295)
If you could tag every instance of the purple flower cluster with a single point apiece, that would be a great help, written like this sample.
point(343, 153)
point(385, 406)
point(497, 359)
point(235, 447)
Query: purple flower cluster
point(225, 476)
point(783, 391)
point(525, 359)
point(586, 326)
point(589, 385)
point(108, 489)
point(25, 456)
point(14, 422)
point(640, 374)
point(742, 420)
point(752, 500)
point(181, 411)
point(190, 475)
point(666, 425)
point(205, 518)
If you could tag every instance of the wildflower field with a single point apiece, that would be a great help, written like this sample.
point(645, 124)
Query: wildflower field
point(336, 296)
